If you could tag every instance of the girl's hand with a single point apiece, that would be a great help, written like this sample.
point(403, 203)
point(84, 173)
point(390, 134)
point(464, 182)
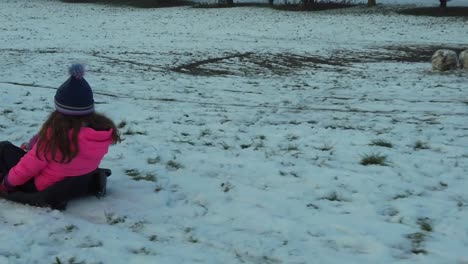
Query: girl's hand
point(3, 188)
point(26, 146)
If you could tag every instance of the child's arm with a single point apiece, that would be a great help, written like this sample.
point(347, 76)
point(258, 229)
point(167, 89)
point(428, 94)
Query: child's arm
point(28, 167)
point(29, 145)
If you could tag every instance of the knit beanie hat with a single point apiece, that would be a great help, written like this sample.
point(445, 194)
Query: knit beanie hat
point(74, 96)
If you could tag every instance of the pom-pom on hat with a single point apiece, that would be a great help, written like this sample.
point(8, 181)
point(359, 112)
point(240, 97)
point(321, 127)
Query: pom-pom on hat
point(74, 96)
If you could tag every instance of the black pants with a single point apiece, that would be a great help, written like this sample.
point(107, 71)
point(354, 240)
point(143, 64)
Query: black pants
point(10, 155)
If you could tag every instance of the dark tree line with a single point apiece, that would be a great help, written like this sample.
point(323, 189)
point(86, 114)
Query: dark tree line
point(443, 3)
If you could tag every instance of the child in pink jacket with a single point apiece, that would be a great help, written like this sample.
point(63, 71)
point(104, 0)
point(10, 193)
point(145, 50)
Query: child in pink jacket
point(72, 142)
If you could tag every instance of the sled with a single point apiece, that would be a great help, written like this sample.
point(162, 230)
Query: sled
point(58, 195)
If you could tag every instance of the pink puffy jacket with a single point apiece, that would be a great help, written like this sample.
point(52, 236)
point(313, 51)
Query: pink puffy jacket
point(93, 145)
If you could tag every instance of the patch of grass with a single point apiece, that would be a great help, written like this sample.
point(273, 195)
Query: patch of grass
point(226, 186)
point(325, 147)
point(373, 159)
point(311, 205)
point(205, 132)
point(225, 145)
point(290, 147)
point(403, 195)
point(425, 224)
point(259, 145)
point(141, 251)
point(148, 177)
point(334, 197)
point(122, 124)
point(90, 244)
point(292, 137)
point(417, 239)
point(208, 144)
point(138, 226)
point(440, 187)
point(192, 239)
point(136, 175)
point(184, 141)
point(419, 251)
point(244, 146)
point(130, 132)
point(71, 260)
point(7, 111)
point(291, 173)
point(294, 174)
point(132, 172)
point(294, 122)
point(153, 160)
point(70, 228)
point(174, 165)
point(158, 188)
point(381, 143)
point(421, 145)
point(113, 219)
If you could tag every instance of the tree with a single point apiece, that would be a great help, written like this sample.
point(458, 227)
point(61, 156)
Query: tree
point(443, 3)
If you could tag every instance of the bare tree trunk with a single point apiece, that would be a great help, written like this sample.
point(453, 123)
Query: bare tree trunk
point(443, 3)
point(230, 2)
point(270, 2)
point(371, 3)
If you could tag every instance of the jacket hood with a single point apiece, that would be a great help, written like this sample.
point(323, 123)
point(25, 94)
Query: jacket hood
point(94, 143)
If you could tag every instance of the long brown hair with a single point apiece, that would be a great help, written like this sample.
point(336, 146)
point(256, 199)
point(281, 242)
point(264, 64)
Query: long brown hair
point(54, 134)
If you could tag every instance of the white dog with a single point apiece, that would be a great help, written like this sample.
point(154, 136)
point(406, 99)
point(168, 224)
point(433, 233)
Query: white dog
point(444, 60)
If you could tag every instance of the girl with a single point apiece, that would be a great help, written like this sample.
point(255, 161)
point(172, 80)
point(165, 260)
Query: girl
point(72, 142)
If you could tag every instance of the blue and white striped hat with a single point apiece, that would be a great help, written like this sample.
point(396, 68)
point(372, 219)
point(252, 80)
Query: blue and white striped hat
point(74, 96)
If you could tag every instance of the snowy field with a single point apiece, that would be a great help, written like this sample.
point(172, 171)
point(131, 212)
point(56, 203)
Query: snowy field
point(245, 130)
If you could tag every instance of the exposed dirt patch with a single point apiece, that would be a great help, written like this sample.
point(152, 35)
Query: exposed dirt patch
point(254, 64)
point(409, 53)
point(196, 69)
point(250, 63)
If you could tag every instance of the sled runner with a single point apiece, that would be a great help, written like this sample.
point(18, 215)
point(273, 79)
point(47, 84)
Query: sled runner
point(58, 195)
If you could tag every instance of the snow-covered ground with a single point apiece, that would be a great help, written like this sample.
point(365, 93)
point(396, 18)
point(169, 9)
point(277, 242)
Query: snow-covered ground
point(246, 128)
